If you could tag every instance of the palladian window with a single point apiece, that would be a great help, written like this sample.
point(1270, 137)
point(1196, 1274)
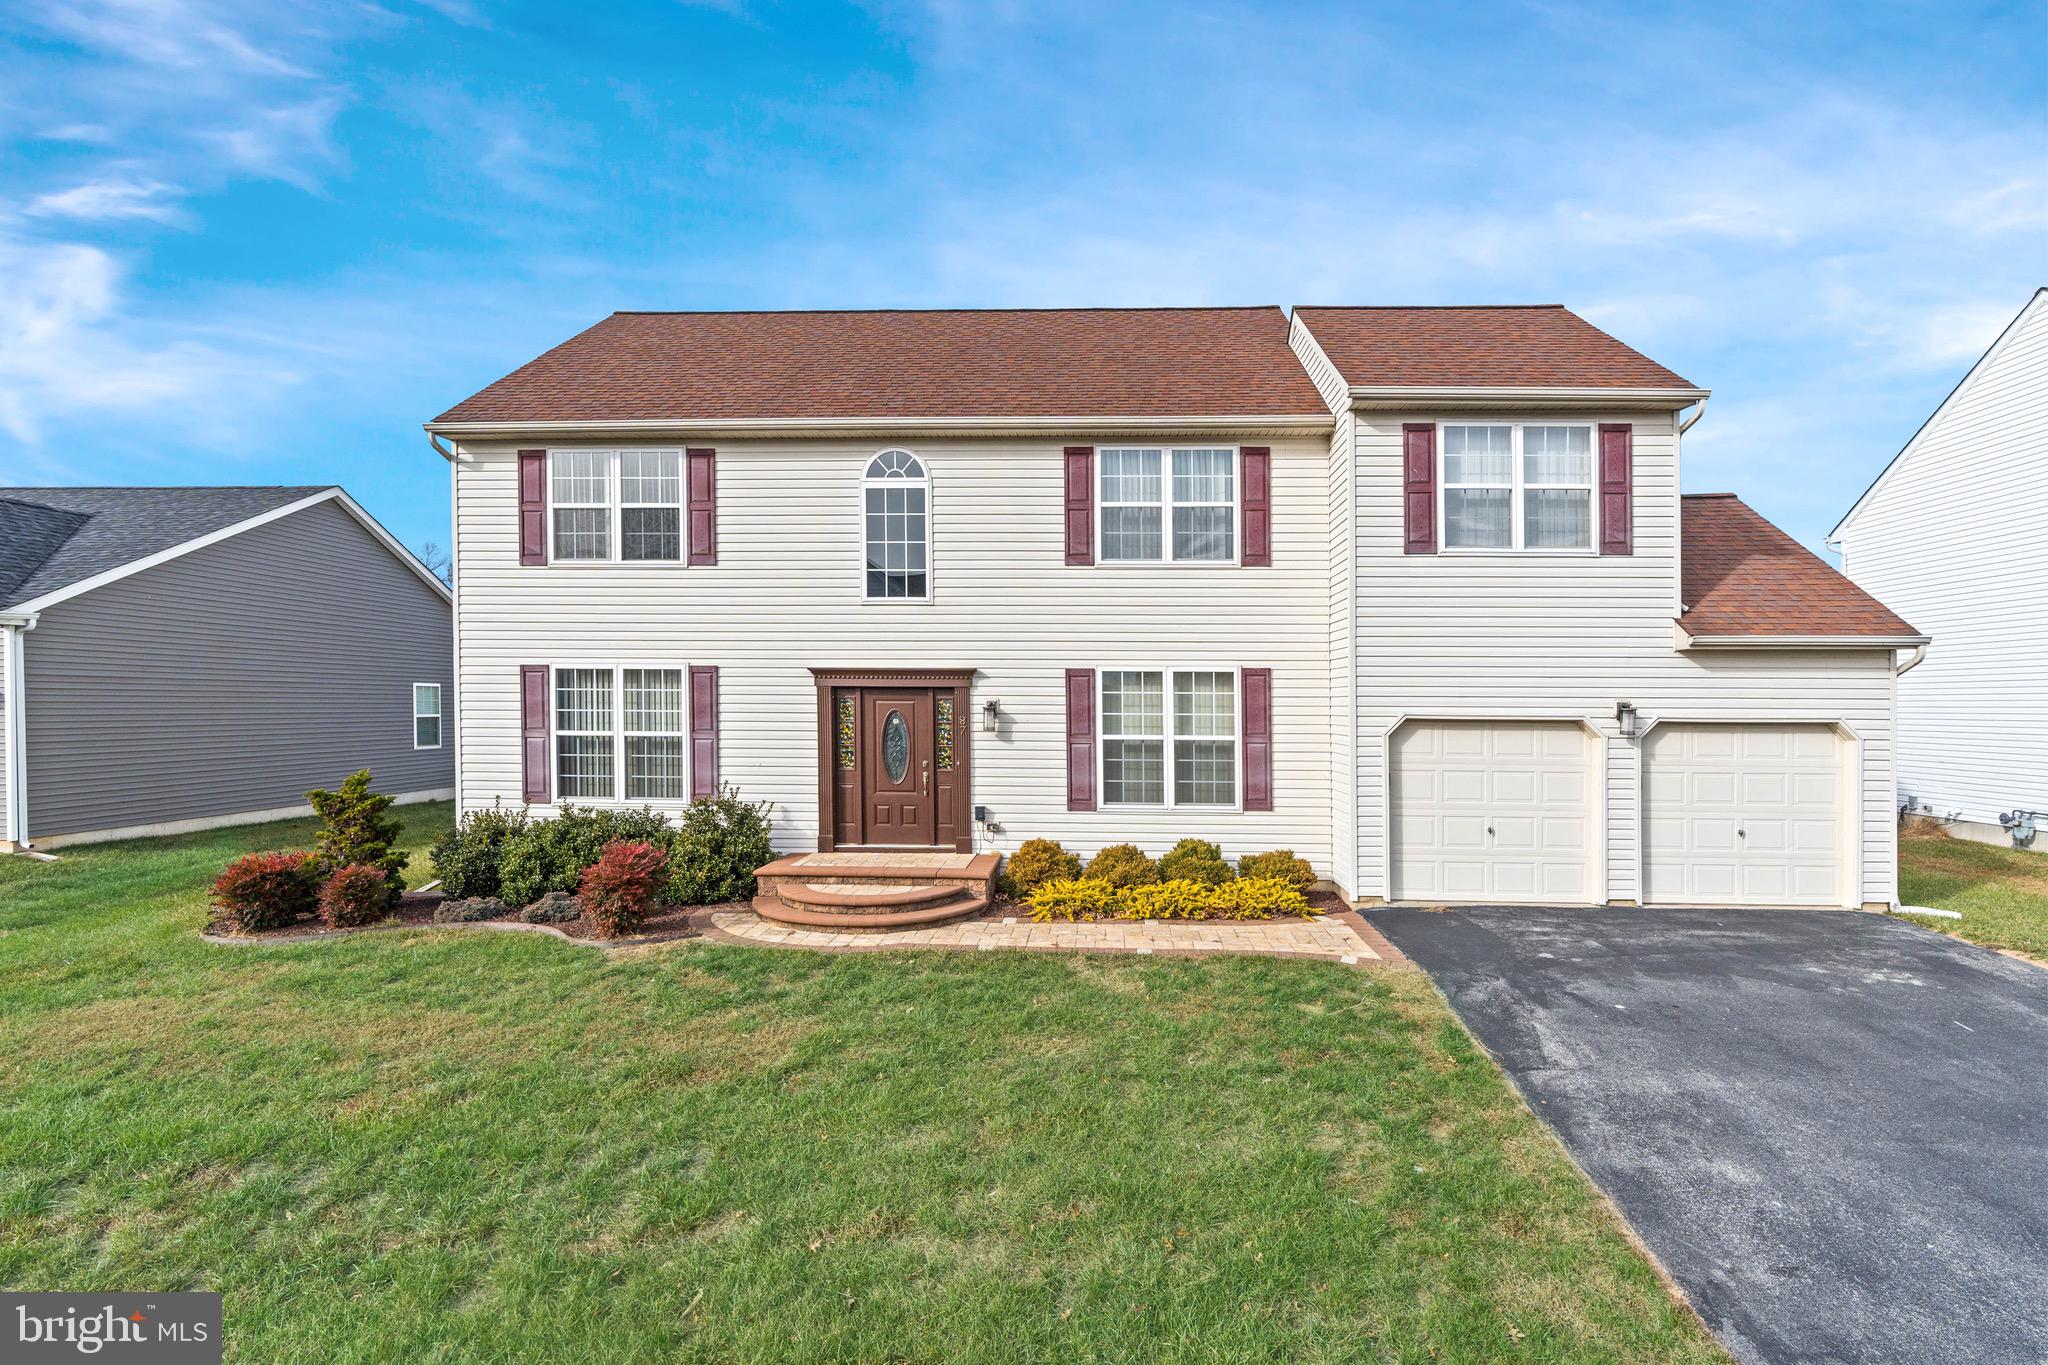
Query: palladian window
point(896, 508)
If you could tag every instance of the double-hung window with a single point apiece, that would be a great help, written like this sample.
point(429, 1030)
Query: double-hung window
point(1169, 737)
point(1518, 487)
point(621, 735)
point(1169, 505)
point(426, 715)
point(614, 506)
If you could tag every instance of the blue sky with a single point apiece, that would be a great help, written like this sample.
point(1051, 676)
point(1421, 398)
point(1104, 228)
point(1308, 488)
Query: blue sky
point(260, 241)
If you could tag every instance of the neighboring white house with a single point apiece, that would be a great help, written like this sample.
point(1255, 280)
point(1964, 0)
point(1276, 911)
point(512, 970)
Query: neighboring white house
point(1410, 591)
point(1954, 533)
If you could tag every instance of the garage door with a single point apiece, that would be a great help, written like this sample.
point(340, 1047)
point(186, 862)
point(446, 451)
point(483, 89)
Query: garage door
point(1744, 815)
point(1492, 812)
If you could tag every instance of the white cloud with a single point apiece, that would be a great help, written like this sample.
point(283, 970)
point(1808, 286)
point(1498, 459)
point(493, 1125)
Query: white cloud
point(101, 200)
point(283, 143)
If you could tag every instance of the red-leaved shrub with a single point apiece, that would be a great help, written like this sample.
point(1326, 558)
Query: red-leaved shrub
point(265, 891)
point(355, 895)
point(619, 890)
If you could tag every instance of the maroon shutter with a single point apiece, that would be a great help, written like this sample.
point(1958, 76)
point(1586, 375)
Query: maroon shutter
point(1258, 738)
point(536, 782)
point(703, 506)
point(1617, 489)
point(703, 731)
point(1081, 515)
point(1080, 739)
point(1418, 487)
point(533, 507)
point(1258, 506)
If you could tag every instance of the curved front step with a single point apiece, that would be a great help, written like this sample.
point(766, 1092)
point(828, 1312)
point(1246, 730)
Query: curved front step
point(805, 896)
point(774, 907)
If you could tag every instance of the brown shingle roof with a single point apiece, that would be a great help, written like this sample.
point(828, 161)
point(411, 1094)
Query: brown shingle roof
point(1744, 576)
point(1055, 362)
point(1535, 346)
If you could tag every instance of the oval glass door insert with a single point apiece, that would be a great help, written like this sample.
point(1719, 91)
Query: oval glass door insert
point(895, 746)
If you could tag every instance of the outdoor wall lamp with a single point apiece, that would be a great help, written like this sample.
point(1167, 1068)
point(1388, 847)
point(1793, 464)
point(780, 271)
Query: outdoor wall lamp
point(1625, 717)
point(989, 716)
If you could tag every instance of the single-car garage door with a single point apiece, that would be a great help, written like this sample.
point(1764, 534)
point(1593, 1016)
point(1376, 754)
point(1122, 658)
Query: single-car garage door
point(1744, 815)
point(1492, 811)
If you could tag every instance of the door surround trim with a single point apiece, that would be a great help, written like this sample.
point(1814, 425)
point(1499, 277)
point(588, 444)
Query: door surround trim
point(959, 681)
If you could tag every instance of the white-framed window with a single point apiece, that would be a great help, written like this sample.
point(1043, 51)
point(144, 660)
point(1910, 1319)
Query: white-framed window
point(896, 521)
point(621, 734)
point(1167, 504)
point(1169, 737)
point(426, 715)
point(1517, 486)
point(616, 506)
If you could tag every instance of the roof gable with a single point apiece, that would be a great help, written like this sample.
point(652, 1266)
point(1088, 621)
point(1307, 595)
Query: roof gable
point(1742, 576)
point(819, 366)
point(1529, 346)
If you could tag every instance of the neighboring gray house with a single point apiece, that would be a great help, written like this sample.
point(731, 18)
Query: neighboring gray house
point(175, 659)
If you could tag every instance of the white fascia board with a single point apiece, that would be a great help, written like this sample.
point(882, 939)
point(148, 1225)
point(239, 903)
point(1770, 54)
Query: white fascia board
point(1983, 362)
point(1383, 397)
point(133, 567)
point(1277, 423)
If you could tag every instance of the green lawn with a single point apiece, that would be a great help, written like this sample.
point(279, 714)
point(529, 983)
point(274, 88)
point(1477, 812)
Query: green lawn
point(474, 1146)
point(2001, 892)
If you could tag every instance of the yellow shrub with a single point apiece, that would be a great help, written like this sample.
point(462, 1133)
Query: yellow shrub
point(1071, 898)
point(1164, 900)
point(1256, 898)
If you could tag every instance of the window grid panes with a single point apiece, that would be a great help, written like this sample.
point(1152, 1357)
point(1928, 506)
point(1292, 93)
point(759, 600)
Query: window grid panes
point(1168, 505)
point(895, 512)
point(426, 715)
point(1511, 487)
point(651, 504)
point(1187, 750)
point(617, 504)
point(583, 734)
point(657, 754)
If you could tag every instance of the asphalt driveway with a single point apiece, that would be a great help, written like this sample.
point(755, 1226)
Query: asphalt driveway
point(1831, 1128)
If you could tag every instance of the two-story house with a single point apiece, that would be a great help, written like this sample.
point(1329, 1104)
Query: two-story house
point(1411, 591)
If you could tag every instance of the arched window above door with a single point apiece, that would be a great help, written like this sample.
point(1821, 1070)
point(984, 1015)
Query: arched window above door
point(896, 516)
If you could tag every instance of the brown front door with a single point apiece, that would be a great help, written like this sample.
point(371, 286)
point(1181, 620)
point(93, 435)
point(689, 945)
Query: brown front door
point(896, 767)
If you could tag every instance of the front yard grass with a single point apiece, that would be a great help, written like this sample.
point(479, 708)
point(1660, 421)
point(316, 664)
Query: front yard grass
point(428, 1144)
point(2001, 892)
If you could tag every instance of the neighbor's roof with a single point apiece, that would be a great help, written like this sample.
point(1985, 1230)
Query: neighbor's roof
point(51, 538)
point(1528, 346)
point(1744, 576)
point(812, 366)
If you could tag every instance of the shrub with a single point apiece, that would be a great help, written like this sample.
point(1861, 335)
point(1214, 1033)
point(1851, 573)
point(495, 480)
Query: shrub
point(354, 896)
point(713, 856)
point(468, 857)
point(1122, 865)
point(265, 891)
point(1195, 860)
point(1037, 862)
point(556, 907)
point(620, 889)
point(1280, 863)
point(357, 832)
point(550, 855)
point(470, 910)
point(1165, 900)
point(1072, 898)
point(1256, 898)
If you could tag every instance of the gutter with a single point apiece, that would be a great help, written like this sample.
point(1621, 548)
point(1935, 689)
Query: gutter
point(1285, 423)
point(1531, 397)
point(1689, 641)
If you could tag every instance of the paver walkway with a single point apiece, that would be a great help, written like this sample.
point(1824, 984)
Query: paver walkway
point(1333, 938)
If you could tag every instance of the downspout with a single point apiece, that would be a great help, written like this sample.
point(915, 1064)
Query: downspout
point(1912, 661)
point(1699, 411)
point(12, 629)
point(439, 449)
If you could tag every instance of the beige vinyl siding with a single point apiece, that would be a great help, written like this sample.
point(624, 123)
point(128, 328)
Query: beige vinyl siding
point(1566, 637)
point(1954, 537)
point(785, 596)
point(1343, 651)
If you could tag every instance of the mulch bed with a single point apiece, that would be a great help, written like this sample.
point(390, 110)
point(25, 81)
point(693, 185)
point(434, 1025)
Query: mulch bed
point(414, 908)
point(416, 911)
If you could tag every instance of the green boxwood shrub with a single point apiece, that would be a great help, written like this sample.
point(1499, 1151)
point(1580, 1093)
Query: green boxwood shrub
point(713, 856)
point(550, 855)
point(1195, 860)
point(1280, 863)
point(1122, 865)
point(1035, 863)
point(468, 857)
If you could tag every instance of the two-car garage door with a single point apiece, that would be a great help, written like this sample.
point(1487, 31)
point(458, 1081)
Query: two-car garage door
point(1732, 814)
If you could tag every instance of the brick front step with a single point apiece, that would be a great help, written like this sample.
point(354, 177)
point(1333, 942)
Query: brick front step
point(854, 918)
point(856, 891)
